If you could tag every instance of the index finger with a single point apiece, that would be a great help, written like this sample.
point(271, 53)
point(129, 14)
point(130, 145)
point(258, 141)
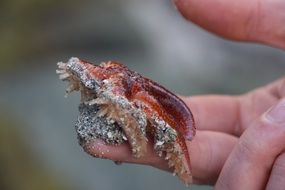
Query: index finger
point(207, 156)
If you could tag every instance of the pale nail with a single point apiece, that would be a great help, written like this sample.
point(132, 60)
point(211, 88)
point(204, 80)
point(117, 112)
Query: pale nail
point(277, 113)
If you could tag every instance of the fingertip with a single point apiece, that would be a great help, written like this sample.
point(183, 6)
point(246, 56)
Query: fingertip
point(122, 153)
point(99, 149)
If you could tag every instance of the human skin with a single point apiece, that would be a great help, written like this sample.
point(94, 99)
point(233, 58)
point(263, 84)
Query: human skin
point(244, 20)
point(240, 140)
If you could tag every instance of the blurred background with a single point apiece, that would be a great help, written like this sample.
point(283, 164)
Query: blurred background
point(38, 148)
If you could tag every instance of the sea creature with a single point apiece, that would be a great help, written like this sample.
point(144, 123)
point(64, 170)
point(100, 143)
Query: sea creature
point(119, 105)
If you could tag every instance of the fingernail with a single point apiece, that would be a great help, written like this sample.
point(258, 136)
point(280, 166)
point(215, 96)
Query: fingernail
point(277, 113)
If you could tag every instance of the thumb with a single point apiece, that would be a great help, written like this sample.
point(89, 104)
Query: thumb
point(250, 163)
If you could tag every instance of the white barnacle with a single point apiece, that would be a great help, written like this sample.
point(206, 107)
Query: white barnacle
point(61, 65)
point(124, 137)
point(159, 143)
point(96, 101)
point(109, 134)
point(64, 76)
point(60, 71)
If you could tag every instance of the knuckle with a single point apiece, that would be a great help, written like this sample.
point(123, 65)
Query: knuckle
point(255, 151)
point(249, 150)
point(262, 141)
point(258, 141)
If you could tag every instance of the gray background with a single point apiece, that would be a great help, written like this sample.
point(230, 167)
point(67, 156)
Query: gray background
point(149, 36)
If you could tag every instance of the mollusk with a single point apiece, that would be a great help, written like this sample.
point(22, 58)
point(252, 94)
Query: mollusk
point(119, 105)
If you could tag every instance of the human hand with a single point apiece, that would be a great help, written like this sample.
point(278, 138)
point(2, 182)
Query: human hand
point(245, 20)
point(243, 149)
point(237, 146)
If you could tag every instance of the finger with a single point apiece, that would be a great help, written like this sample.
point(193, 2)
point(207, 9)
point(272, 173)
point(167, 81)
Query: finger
point(207, 156)
point(256, 102)
point(215, 112)
point(249, 164)
point(230, 19)
point(277, 175)
point(122, 153)
point(237, 112)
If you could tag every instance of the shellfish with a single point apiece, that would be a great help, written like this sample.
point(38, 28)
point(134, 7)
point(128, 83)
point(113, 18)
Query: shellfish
point(119, 105)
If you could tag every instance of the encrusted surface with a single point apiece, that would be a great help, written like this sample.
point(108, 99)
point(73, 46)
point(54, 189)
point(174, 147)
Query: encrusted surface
point(108, 112)
point(90, 127)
